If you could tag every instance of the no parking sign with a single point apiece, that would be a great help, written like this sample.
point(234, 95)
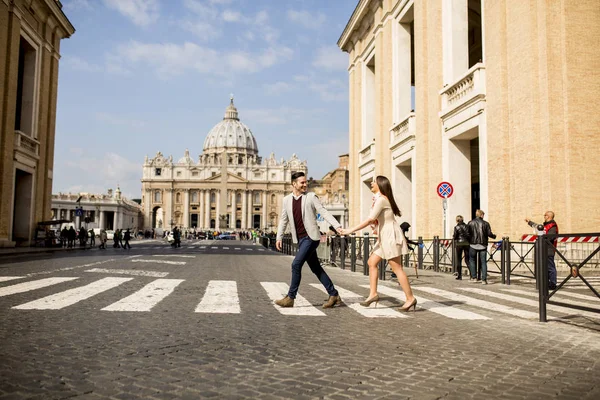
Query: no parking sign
point(445, 190)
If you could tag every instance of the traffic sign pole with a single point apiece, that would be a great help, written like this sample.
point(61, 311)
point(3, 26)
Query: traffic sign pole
point(445, 190)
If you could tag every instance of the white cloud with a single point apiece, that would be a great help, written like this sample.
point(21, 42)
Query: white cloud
point(203, 30)
point(169, 59)
point(79, 64)
point(231, 16)
point(140, 12)
point(333, 90)
point(73, 5)
point(306, 19)
point(332, 58)
point(118, 120)
point(277, 88)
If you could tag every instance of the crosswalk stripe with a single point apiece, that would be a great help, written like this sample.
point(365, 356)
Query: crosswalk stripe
point(27, 286)
point(351, 300)
point(559, 295)
point(202, 247)
point(433, 306)
point(147, 297)
point(220, 297)
point(134, 272)
point(172, 255)
point(225, 248)
point(531, 303)
point(237, 248)
point(160, 261)
point(72, 296)
point(10, 278)
point(276, 290)
point(478, 303)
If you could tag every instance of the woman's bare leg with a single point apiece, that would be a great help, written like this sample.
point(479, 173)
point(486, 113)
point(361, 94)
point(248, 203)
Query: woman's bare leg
point(373, 262)
point(402, 278)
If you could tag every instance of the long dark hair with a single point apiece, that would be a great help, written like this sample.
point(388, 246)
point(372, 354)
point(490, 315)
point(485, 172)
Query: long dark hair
point(385, 188)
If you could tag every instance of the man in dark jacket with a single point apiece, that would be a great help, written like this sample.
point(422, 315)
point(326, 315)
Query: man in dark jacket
point(550, 228)
point(126, 238)
point(461, 243)
point(479, 232)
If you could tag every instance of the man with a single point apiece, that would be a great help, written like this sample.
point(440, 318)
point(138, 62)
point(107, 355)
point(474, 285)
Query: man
point(300, 210)
point(126, 238)
point(461, 242)
point(479, 232)
point(550, 228)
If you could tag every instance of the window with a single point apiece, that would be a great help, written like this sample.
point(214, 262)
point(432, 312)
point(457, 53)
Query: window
point(157, 196)
point(273, 199)
point(157, 171)
point(195, 173)
point(194, 197)
point(273, 175)
point(257, 174)
point(24, 113)
point(256, 198)
point(238, 198)
point(213, 174)
point(239, 174)
point(212, 197)
point(178, 173)
point(178, 198)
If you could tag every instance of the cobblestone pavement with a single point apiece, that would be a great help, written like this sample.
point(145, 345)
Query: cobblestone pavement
point(193, 335)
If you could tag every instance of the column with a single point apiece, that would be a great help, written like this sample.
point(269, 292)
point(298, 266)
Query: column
point(244, 209)
point(264, 221)
point(77, 222)
point(168, 217)
point(148, 209)
point(207, 208)
point(218, 209)
point(250, 201)
point(232, 218)
point(455, 24)
point(186, 208)
point(102, 220)
point(201, 213)
point(116, 220)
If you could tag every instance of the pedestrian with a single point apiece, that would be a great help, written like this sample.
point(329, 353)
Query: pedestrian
point(121, 237)
point(479, 232)
point(461, 244)
point(116, 239)
point(550, 228)
point(92, 238)
point(102, 239)
point(126, 238)
point(72, 236)
point(300, 211)
point(391, 244)
point(64, 236)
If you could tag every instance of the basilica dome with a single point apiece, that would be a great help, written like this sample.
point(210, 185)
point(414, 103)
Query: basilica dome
point(231, 134)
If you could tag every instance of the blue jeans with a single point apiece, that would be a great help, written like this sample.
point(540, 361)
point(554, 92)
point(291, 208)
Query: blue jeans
point(307, 252)
point(482, 254)
point(551, 270)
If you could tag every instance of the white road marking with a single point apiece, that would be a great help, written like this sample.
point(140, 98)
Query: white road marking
point(220, 297)
point(134, 272)
point(351, 300)
point(70, 268)
point(10, 278)
point(72, 296)
point(225, 248)
point(161, 262)
point(557, 295)
point(27, 286)
point(202, 247)
point(172, 255)
point(438, 308)
point(276, 290)
point(147, 297)
point(139, 255)
point(478, 303)
point(531, 303)
point(237, 248)
point(214, 247)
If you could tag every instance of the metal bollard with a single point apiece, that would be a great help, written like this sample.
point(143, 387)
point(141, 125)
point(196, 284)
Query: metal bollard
point(365, 253)
point(455, 265)
point(342, 252)
point(542, 277)
point(503, 259)
point(420, 251)
point(507, 259)
point(353, 253)
point(436, 253)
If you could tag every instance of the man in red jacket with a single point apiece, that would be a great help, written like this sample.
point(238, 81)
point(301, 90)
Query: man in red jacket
point(550, 228)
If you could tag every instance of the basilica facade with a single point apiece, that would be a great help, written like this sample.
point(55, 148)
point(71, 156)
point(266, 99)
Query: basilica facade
point(228, 187)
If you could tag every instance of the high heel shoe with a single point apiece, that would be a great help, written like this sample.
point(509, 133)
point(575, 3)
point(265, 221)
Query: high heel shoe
point(413, 305)
point(368, 302)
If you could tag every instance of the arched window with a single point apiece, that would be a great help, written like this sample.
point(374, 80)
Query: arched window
point(256, 198)
point(212, 198)
point(194, 197)
point(273, 199)
point(238, 198)
point(178, 198)
point(157, 196)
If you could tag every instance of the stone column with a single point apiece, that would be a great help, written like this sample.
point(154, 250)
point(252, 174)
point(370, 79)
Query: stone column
point(115, 220)
point(455, 23)
point(77, 222)
point(218, 211)
point(264, 221)
point(148, 209)
point(250, 201)
point(186, 208)
point(244, 209)
point(102, 224)
point(207, 208)
point(233, 218)
point(168, 215)
point(201, 213)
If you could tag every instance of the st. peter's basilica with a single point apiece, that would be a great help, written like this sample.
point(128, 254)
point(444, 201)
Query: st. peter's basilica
point(229, 187)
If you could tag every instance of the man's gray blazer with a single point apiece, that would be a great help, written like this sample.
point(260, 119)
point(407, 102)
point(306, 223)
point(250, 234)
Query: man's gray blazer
point(311, 206)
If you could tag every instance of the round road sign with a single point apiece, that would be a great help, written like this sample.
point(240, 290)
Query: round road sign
point(445, 190)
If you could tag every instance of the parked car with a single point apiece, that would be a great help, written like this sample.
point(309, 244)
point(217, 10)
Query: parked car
point(110, 235)
point(225, 236)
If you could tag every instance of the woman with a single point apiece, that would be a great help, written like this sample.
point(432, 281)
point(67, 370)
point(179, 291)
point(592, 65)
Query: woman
point(391, 243)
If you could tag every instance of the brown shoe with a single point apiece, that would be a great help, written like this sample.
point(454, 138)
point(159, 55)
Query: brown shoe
point(285, 302)
point(332, 301)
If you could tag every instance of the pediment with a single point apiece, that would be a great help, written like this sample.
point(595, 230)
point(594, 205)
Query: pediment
point(235, 178)
point(216, 178)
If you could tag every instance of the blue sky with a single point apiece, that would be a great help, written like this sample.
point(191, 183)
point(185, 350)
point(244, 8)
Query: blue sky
point(142, 76)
